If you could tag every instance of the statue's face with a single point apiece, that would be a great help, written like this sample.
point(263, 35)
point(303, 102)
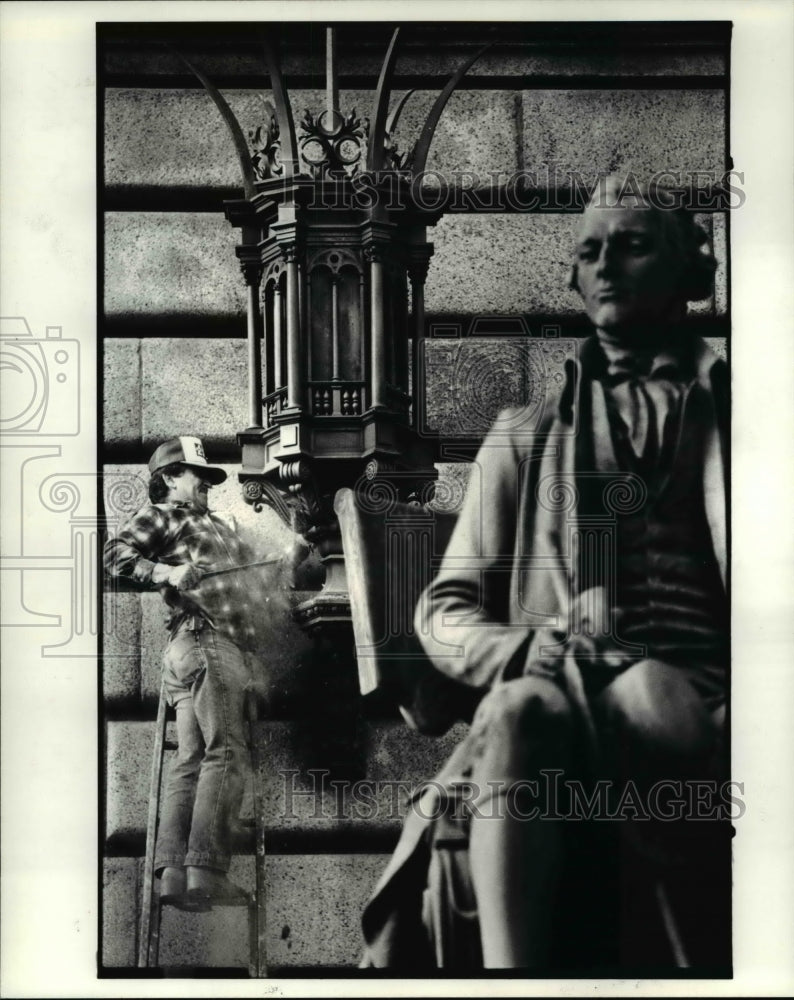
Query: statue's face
point(626, 273)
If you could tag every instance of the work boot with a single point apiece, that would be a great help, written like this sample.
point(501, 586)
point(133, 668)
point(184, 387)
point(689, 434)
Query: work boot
point(173, 891)
point(213, 888)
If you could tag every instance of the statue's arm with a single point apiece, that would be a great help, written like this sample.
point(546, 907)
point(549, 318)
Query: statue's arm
point(463, 618)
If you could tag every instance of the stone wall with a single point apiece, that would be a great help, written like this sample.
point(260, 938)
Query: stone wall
point(174, 361)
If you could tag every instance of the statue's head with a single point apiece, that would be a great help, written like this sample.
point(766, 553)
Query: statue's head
point(636, 263)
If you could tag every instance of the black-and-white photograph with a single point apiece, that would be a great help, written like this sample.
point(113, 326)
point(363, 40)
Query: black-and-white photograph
point(404, 599)
point(416, 403)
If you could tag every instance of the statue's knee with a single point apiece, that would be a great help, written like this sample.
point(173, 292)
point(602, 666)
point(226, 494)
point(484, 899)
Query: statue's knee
point(520, 728)
point(654, 706)
point(529, 705)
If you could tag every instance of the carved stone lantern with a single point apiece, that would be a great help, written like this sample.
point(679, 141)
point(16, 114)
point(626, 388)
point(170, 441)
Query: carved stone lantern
point(335, 256)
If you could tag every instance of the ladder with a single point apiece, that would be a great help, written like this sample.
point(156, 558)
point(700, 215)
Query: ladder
point(151, 908)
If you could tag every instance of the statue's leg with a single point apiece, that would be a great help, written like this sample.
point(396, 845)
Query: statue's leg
point(521, 728)
point(654, 725)
point(661, 738)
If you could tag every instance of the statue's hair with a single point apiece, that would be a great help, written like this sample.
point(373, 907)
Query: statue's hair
point(686, 240)
point(158, 487)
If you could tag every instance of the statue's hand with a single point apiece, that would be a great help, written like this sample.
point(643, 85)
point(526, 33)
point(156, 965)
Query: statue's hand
point(587, 637)
point(592, 631)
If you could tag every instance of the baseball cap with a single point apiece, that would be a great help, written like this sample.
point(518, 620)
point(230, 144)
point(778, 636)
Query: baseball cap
point(185, 451)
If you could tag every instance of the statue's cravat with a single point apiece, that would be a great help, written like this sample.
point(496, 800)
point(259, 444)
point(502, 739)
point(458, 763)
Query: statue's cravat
point(647, 391)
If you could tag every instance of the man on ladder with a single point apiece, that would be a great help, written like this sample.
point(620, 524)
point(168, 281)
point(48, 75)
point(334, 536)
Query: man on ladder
point(192, 554)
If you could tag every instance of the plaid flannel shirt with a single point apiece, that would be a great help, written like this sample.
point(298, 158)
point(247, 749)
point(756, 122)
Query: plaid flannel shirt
point(175, 533)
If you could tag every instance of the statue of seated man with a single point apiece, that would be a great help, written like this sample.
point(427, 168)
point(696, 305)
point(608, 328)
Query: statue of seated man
point(583, 592)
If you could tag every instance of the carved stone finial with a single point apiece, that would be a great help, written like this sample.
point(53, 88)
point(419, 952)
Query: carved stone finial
point(332, 144)
point(264, 139)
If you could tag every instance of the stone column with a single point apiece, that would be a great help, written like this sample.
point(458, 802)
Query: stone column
point(278, 375)
point(334, 327)
point(252, 272)
point(374, 255)
point(295, 374)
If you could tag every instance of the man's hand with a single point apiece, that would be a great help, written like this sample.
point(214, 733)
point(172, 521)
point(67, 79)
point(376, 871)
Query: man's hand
point(184, 577)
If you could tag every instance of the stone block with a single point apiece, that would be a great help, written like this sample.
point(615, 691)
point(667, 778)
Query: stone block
point(326, 785)
point(469, 380)
point(193, 387)
point(129, 750)
point(395, 751)
point(644, 131)
point(501, 265)
point(166, 263)
point(122, 391)
point(314, 908)
point(121, 642)
point(174, 137)
point(120, 902)
point(477, 133)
